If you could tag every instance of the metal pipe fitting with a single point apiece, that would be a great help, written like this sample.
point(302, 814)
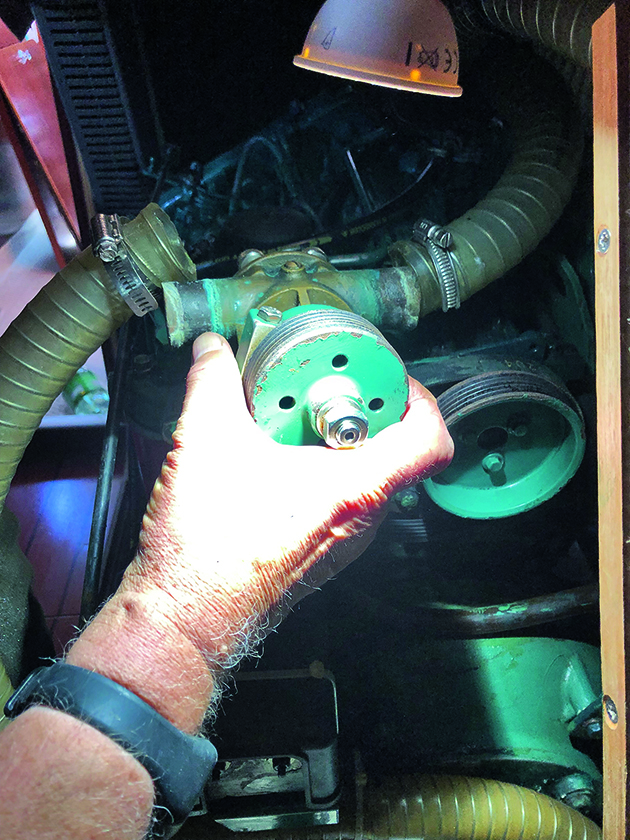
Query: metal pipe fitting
point(387, 297)
point(319, 373)
point(341, 422)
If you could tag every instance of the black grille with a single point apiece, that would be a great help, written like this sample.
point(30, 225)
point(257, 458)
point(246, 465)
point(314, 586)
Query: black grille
point(111, 113)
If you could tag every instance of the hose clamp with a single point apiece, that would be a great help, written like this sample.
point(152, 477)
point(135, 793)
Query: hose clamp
point(109, 246)
point(438, 242)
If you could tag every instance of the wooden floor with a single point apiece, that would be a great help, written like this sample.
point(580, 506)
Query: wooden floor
point(53, 496)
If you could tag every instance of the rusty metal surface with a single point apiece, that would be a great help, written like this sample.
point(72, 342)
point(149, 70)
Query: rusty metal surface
point(387, 297)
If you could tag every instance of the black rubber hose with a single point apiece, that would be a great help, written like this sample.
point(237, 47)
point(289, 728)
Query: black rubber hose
point(90, 598)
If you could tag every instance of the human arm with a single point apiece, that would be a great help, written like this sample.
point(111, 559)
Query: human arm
point(234, 522)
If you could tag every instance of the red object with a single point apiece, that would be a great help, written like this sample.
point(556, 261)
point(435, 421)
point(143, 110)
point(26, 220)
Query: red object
point(27, 88)
point(6, 36)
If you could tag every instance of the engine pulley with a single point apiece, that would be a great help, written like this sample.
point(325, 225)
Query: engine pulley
point(314, 374)
point(519, 438)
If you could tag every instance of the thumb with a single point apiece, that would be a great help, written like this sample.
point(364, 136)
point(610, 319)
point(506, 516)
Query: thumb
point(214, 404)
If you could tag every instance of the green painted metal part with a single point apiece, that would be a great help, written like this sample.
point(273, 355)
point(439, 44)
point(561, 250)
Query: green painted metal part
point(386, 297)
point(504, 708)
point(313, 354)
point(519, 438)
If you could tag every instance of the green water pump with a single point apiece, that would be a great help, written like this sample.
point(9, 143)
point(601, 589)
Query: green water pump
point(317, 374)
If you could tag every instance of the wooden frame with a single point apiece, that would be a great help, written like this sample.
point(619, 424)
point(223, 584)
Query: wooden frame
point(611, 147)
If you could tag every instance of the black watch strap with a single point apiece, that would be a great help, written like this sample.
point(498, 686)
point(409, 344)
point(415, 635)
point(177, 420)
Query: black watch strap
point(179, 764)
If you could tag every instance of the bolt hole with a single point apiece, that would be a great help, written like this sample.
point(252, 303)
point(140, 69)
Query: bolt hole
point(349, 436)
point(340, 361)
point(376, 404)
point(493, 438)
point(286, 403)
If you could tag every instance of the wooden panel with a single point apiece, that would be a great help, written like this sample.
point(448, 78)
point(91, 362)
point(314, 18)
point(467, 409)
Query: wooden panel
point(612, 395)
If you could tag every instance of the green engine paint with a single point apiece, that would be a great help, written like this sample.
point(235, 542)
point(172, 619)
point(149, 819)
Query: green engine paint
point(315, 353)
point(505, 708)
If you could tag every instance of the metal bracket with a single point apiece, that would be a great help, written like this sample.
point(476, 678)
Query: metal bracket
point(438, 241)
point(109, 246)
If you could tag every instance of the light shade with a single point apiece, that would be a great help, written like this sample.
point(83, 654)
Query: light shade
point(405, 44)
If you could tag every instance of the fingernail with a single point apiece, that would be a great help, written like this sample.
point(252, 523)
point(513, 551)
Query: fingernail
point(206, 343)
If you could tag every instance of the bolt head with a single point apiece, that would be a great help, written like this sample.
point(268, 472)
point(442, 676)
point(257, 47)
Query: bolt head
point(493, 462)
point(603, 241)
point(317, 252)
point(292, 266)
point(576, 790)
point(269, 314)
point(407, 499)
point(107, 250)
point(593, 728)
point(249, 256)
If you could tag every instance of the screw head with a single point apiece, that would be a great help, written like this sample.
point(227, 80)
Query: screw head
point(407, 499)
point(269, 314)
point(493, 462)
point(610, 709)
point(603, 241)
point(106, 250)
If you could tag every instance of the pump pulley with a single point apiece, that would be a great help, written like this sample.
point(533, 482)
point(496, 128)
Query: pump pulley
point(317, 373)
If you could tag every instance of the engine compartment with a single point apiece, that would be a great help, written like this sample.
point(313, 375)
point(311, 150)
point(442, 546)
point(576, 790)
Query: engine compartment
point(443, 638)
point(464, 643)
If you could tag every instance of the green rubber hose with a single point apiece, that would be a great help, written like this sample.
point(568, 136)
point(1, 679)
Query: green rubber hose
point(509, 223)
point(66, 322)
point(503, 228)
point(564, 27)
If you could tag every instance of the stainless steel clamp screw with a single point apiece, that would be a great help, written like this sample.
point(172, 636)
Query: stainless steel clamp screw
point(438, 241)
point(109, 246)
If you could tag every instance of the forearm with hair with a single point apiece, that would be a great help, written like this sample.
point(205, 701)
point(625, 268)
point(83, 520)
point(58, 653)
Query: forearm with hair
point(59, 777)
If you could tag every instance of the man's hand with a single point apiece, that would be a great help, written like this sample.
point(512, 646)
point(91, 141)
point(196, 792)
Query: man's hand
point(236, 519)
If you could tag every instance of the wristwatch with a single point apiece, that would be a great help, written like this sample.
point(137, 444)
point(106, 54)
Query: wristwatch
point(179, 764)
